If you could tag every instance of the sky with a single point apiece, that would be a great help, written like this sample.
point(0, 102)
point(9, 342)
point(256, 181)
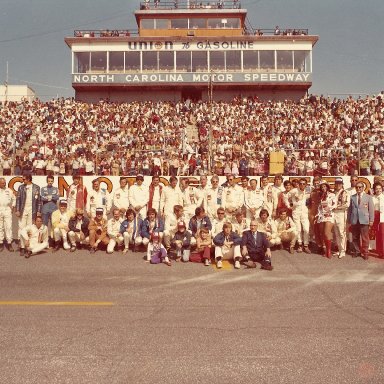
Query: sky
point(347, 59)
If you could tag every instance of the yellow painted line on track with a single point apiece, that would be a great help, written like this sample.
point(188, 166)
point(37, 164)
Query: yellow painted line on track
point(226, 266)
point(59, 303)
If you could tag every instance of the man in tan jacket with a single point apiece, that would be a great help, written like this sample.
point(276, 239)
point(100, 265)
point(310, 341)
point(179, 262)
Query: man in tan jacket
point(98, 230)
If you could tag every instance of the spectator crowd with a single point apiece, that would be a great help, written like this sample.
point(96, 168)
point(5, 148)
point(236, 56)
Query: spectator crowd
point(317, 136)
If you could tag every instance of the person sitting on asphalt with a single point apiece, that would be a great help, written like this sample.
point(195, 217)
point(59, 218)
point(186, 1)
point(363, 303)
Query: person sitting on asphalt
point(98, 230)
point(198, 221)
point(268, 226)
point(217, 224)
point(78, 229)
point(182, 242)
point(152, 224)
point(156, 252)
point(227, 246)
point(170, 226)
point(286, 231)
point(33, 238)
point(203, 247)
point(113, 231)
point(256, 246)
point(131, 230)
point(240, 223)
point(60, 221)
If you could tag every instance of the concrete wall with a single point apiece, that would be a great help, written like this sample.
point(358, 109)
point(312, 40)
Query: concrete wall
point(174, 96)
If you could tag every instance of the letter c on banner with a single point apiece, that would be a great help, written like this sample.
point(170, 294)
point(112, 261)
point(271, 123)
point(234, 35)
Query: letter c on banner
point(106, 181)
point(13, 181)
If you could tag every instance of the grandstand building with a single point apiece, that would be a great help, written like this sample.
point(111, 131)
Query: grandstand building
point(191, 50)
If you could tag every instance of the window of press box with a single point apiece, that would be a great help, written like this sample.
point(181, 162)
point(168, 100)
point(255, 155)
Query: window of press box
point(162, 23)
point(302, 61)
point(150, 61)
point(147, 24)
point(217, 60)
point(179, 23)
point(267, 60)
point(116, 61)
point(81, 62)
point(220, 22)
point(250, 60)
point(233, 60)
point(166, 61)
point(199, 61)
point(195, 22)
point(132, 61)
point(98, 61)
point(284, 60)
point(183, 61)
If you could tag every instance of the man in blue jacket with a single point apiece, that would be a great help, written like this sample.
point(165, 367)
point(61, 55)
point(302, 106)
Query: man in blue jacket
point(49, 196)
point(227, 246)
point(28, 202)
point(256, 248)
point(360, 217)
point(200, 220)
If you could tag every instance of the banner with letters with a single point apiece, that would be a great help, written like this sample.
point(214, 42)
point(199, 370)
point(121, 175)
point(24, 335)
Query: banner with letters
point(111, 183)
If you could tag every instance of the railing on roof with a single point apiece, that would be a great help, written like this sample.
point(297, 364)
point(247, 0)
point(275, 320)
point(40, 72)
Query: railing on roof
point(105, 33)
point(281, 32)
point(190, 4)
point(129, 32)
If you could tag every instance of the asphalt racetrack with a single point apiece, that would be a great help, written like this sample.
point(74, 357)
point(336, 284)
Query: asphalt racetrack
point(83, 318)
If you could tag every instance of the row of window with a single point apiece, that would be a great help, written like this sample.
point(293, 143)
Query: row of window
point(192, 61)
point(190, 23)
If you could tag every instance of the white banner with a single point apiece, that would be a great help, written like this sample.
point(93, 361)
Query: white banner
point(111, 183)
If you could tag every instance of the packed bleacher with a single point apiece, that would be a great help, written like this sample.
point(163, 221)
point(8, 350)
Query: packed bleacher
point(317, 135)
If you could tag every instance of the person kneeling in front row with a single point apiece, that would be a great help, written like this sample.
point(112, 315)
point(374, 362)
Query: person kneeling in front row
point(182, 242)
point(156, 252)
point(131, 230)
point(98, 231)
point(33, 238)
point(227, 246)
point(113, 231)
point(256, 246)
point(78, 229)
